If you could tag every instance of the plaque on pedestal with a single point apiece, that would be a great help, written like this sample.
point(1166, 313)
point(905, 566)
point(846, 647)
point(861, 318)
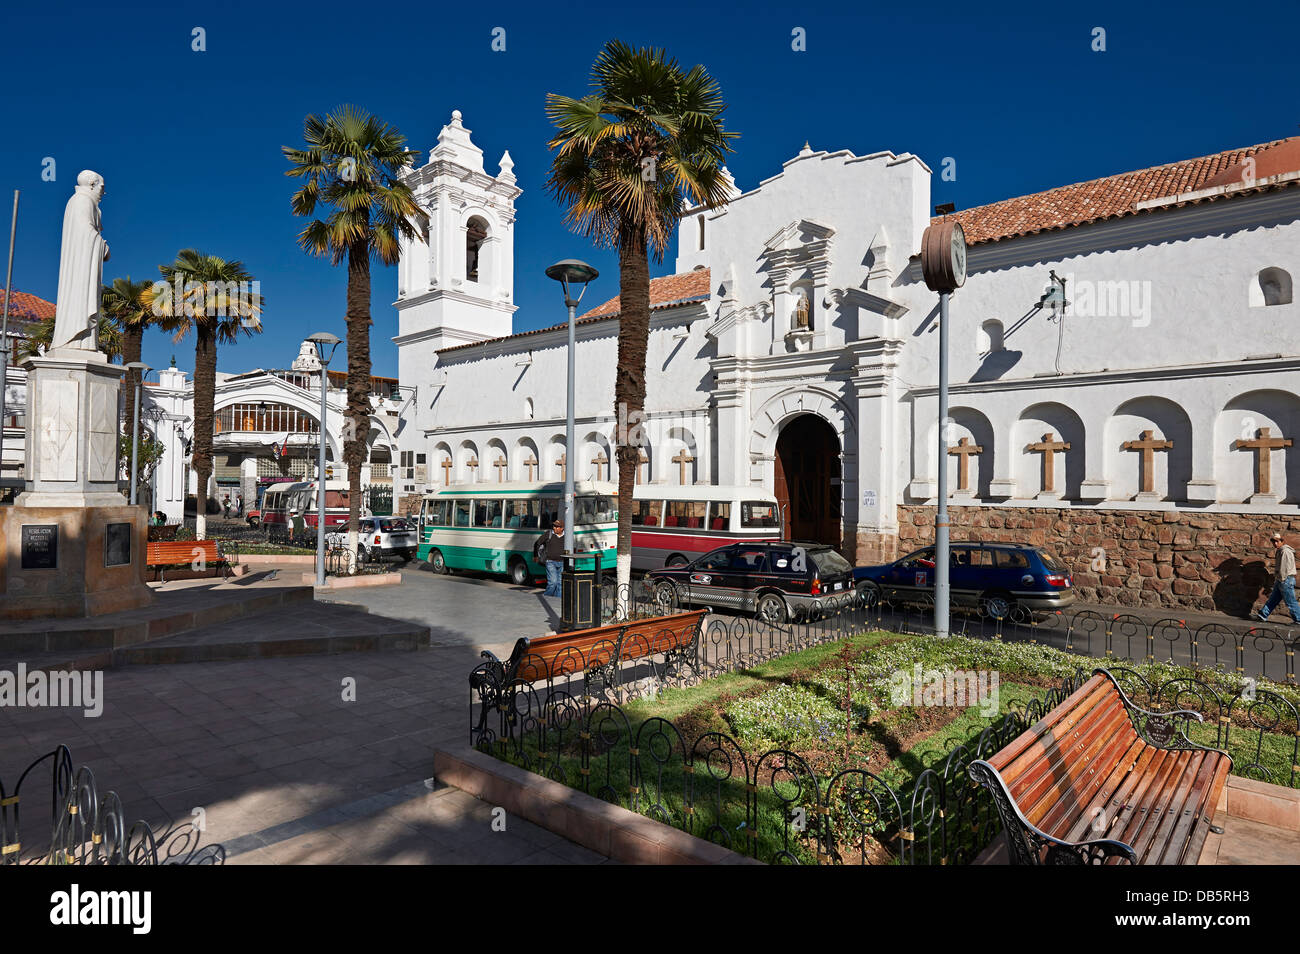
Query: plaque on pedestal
point(40, 545)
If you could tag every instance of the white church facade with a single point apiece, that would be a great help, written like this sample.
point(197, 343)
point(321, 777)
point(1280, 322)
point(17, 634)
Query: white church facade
point(1125, 382)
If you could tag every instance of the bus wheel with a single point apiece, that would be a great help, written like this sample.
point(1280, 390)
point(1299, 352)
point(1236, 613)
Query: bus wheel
point(519, 574)
point(435, 561)
point(676, 560)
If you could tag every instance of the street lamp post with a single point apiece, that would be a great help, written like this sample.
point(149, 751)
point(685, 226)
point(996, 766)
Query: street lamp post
point(943, 266)
point(322, 340)
point(566, 272)
point(5, 350)
point(142, 369)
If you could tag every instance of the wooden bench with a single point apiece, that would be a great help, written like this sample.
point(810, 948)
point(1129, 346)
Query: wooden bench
point(164, 553)
point(598, 652)
point(1099, 780)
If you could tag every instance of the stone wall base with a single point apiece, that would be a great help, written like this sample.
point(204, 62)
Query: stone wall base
point(1211, 562)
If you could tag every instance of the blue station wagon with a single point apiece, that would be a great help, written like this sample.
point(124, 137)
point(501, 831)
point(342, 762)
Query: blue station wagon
point(1000, 579)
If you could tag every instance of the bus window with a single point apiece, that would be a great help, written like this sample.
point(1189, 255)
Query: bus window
point(439, 511)
point(595, 509)
point(756, 513)
point(523, 514)
point(487, 513)
point(720, 515)
point(336, 499)
point(647, 513)
point(550, 511)
point(461, 513)
point(685, 513)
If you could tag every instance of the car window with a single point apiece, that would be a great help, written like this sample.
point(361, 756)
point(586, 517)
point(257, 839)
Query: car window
point(829, 562)
point(1010, 560)
point(780, 560)
point(1050, 560)
point(926, 555)
point(748, 560)
point(717, 560)
point(979, 556)
point(960, 556)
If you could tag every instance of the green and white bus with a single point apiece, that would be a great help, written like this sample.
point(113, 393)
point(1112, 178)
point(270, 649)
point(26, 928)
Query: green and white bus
point(492, 528)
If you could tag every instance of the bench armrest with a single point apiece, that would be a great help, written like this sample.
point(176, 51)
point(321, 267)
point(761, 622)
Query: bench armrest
point(1026, 841)
point(1164, 730)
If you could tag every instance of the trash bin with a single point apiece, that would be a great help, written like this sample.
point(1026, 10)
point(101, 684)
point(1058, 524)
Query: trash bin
point(580, 591)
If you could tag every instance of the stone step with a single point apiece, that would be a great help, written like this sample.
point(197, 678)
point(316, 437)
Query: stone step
point(173, 612)
point(313, 629)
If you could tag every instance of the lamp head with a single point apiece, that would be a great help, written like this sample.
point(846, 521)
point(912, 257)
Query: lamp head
point(571, 270)
point(323, 340)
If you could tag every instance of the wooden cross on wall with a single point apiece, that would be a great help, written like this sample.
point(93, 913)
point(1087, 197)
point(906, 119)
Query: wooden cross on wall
point(1048, 448)
point(446, 470)
point(600, 460)
point(500, 465)
point(472, 464)
point(963, 451)
point(681, 460)
point(563, 461)
point(1148, 445)
point(530, 463)
point(640, 460)
point(1263, 445)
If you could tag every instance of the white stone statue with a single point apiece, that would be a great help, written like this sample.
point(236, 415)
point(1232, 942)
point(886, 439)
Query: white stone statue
point(81, 268)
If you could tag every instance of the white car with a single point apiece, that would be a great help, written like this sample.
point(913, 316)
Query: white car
point(380, 538)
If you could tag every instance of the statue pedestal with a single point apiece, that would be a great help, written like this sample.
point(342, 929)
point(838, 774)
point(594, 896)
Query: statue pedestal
point(72, 545)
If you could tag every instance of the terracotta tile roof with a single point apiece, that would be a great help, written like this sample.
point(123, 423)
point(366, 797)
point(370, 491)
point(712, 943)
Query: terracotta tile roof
point(27, 307)
point(1118, 195)
point(667, 292)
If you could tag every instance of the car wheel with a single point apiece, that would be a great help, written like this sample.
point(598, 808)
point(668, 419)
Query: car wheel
point(997, 605)
point(868, 594)
point(772, 609)
point(676, 561)
point(435, 562)
point(666, 597)
point(519, 574)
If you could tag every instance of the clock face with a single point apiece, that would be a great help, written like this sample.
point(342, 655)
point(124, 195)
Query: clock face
point(958, 255)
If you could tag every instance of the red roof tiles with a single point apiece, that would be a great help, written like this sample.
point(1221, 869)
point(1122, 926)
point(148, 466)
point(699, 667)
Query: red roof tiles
point(28, 307)
point(1117, 195)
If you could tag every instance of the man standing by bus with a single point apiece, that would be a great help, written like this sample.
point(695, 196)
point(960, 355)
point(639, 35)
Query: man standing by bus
point(551, 546)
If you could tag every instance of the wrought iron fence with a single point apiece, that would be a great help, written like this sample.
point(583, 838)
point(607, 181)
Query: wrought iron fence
point(771, 806)
point(86, 829)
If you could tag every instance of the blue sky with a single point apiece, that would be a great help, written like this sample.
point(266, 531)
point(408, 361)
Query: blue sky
point(189, 142)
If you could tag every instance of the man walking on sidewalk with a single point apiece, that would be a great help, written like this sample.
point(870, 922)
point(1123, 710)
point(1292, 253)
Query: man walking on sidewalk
point(1283, 581)
point(551, 547)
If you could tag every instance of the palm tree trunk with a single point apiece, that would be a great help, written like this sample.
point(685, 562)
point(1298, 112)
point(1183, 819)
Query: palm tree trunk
point(358, 413)
point(629, 387)
point(205, 387)
point(132, 344)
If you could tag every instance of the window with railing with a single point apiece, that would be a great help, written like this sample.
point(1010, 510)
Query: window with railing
point(264, 418)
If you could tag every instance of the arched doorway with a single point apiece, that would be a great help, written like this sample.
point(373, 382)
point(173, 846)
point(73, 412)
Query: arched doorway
point(808, 480)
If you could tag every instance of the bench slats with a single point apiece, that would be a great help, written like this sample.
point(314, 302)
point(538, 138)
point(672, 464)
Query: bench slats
point(564, 654)
point(1020, 743)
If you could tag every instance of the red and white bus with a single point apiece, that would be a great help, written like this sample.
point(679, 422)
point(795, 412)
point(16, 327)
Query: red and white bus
point(280, 500)
point(674, 525)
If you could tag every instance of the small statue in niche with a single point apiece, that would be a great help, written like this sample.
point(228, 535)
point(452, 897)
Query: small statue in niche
point(802, 312)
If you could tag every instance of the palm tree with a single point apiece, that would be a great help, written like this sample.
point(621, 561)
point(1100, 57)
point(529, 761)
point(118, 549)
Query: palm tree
point(128, 307)
point(352, 163)
point(647, 141)
point(217, 299)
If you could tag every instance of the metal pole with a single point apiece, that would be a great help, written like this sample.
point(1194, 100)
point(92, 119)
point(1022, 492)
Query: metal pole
point(941, 514)
point(135, 441)
point(4, 332)
point(568, 437)
point(320, 484)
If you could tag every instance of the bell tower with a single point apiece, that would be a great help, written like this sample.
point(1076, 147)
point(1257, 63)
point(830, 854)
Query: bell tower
point(455, 281)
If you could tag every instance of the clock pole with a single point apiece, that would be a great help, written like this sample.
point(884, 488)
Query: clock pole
point(943, 265)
